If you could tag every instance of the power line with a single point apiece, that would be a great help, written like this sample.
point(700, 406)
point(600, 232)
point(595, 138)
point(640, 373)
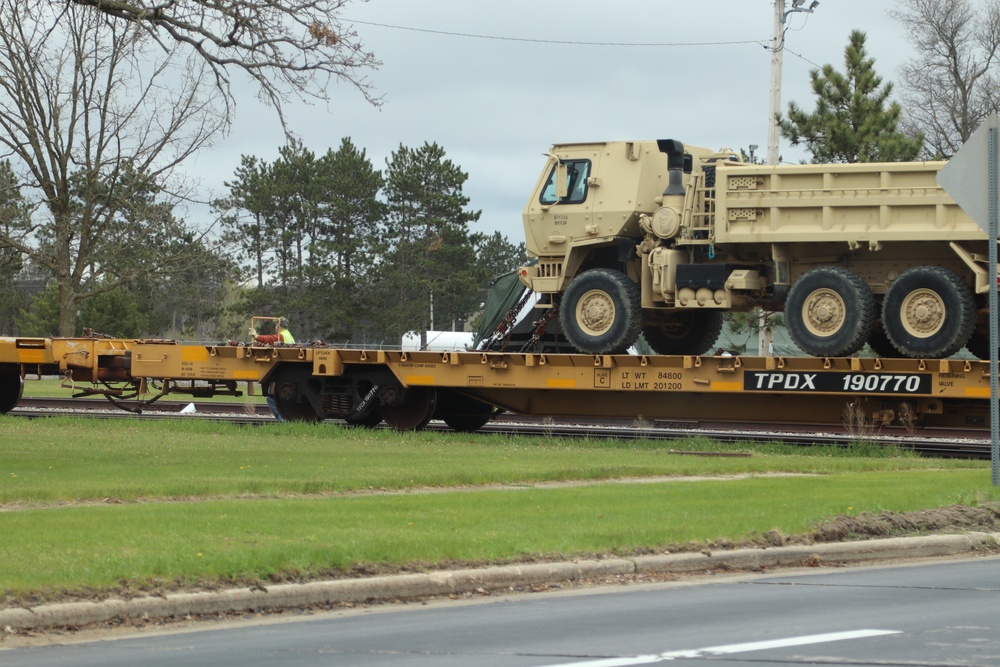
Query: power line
point(554, 41)
point(801, 57)
point(785, 48)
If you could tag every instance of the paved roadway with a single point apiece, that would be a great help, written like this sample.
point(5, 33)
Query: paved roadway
point(942, 613)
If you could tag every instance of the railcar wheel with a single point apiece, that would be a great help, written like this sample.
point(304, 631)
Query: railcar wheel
point(11, 387)
point(288, 390)
point(462, 413)
point(600, 312)
point(830, 312)
point(371, 420)
point(293, 411)
point(929, 313)
point(414, 412)
point(685, 332)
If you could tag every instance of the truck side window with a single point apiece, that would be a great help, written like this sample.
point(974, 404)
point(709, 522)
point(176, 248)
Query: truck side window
point(577, 172)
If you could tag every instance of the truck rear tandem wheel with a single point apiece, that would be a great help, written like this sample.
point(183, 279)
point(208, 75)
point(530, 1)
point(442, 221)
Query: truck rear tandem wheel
point(879, 342)
point(830, 312)
point(929, 312)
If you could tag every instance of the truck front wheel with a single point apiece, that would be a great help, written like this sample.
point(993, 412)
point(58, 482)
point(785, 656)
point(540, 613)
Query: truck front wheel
point(830, 312)
point(600, 312)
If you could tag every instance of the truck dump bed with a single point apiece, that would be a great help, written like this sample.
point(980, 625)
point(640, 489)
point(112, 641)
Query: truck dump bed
point(853, 203)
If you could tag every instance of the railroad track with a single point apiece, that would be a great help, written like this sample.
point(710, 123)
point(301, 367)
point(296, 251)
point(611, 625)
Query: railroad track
point(967, 443)
point(99, 407)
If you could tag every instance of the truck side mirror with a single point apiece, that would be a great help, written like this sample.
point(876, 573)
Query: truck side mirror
point(562, 181)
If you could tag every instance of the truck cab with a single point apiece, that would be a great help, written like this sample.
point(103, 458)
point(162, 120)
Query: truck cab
point(586, 221)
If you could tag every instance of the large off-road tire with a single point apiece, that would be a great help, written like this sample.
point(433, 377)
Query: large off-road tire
point(929, 313)
point(685, 332)
point(600, 312)
point(830, 312)
point(979, 344)
point(880, 343)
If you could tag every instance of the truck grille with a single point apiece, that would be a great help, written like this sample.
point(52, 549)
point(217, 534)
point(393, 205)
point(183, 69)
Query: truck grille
point(550, 269)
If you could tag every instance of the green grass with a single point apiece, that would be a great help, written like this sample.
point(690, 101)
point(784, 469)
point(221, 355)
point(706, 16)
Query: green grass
point(231, 540)
point(71, 459)
point(97, 504)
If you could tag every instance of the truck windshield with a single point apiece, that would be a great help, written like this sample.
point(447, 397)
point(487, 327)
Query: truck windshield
point(577, 172)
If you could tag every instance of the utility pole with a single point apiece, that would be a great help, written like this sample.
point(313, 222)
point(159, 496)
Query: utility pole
point(773, 131)
point(777, 56)
point(773, 151)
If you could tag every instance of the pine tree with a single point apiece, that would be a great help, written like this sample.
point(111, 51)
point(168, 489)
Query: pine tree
point(429, 260)
point(854, 120)
point(497, 256)
point(347, 191)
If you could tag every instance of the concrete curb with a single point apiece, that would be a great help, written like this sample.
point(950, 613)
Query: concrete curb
point(414, 586)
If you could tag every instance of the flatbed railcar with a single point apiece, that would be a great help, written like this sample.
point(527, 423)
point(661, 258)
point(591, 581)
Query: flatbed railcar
point(466, 389)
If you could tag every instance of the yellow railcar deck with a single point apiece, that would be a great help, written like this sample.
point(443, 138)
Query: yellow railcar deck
point(465, 388)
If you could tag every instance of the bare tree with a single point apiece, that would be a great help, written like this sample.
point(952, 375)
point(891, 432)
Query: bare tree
point(293, 47)
point(950, 87)
point(94, 129)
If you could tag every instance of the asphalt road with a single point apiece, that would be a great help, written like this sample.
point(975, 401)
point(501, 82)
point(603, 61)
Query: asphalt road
point(943, 613)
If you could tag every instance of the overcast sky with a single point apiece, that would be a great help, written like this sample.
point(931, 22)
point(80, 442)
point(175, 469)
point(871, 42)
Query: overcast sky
point(496, 101)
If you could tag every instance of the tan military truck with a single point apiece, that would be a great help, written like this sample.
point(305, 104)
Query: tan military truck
point(656, 237)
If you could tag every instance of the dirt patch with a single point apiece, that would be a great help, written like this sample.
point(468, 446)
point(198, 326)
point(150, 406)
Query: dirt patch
point(953, 519)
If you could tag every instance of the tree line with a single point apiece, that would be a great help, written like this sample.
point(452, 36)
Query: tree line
point(354, 254)
point(351, 254)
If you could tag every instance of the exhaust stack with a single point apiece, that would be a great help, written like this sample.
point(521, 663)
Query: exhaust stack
point(675, 166)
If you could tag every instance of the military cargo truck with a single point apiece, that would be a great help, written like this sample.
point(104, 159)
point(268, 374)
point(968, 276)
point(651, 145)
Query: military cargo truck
point(663, 239)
